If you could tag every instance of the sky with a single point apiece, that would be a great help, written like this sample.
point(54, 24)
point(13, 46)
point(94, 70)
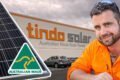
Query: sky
point(72, 12)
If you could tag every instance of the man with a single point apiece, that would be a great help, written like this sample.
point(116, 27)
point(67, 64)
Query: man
point(103, 54)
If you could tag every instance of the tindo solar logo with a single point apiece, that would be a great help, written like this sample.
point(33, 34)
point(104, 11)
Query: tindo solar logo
point(25, 62)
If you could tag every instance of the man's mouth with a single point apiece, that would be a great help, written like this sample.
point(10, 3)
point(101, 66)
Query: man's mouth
point(106, 38)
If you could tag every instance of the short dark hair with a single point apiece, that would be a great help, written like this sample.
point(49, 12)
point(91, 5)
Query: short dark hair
point(101, 7)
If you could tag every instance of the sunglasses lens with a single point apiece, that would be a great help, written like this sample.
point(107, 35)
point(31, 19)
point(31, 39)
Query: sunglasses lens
point(107, 1)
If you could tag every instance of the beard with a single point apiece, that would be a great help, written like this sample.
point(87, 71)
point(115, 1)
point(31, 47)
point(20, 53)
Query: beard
point(109, 39)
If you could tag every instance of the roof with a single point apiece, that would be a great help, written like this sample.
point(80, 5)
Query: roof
point(45, 20)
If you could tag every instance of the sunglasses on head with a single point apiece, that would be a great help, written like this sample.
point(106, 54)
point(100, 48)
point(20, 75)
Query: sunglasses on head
point(106, 1)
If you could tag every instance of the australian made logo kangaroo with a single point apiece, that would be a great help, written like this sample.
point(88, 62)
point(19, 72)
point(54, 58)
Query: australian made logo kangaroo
point(25, 62)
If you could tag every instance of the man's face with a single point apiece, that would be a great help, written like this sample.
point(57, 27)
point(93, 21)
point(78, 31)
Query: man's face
point(107, 28)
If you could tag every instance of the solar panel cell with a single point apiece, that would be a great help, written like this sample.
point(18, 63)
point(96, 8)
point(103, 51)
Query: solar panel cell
point(14, 33)
point(10, 26)
point(8, 53)
point(2, 28)
point(3, 35)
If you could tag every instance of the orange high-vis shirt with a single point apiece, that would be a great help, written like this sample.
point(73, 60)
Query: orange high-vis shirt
point(96, 57)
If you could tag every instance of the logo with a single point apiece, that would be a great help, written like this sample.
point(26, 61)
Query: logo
point(35, 32)
point(25, 62)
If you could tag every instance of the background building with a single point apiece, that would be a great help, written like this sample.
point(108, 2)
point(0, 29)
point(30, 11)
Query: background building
point(52, 38)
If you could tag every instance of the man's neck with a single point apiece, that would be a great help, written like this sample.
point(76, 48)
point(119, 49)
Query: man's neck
point(115, 48)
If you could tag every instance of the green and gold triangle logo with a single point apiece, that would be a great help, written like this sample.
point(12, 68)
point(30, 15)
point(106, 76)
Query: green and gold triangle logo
point(25, 62)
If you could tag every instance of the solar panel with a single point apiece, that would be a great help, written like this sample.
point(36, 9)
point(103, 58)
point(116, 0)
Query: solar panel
point(11, 40)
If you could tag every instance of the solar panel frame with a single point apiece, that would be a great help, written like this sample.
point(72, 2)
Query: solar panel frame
point(47, 72)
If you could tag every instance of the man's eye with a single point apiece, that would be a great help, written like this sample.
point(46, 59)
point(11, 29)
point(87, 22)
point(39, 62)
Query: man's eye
point(108, 24)
point(97, 27)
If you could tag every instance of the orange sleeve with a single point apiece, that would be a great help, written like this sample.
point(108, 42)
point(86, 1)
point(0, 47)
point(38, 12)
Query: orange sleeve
point(83, 63)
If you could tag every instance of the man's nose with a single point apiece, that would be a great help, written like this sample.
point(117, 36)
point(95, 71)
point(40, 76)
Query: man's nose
point(103, 31)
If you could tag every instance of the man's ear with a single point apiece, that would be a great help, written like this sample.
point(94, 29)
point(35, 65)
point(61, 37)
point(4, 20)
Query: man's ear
point(119, 21)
